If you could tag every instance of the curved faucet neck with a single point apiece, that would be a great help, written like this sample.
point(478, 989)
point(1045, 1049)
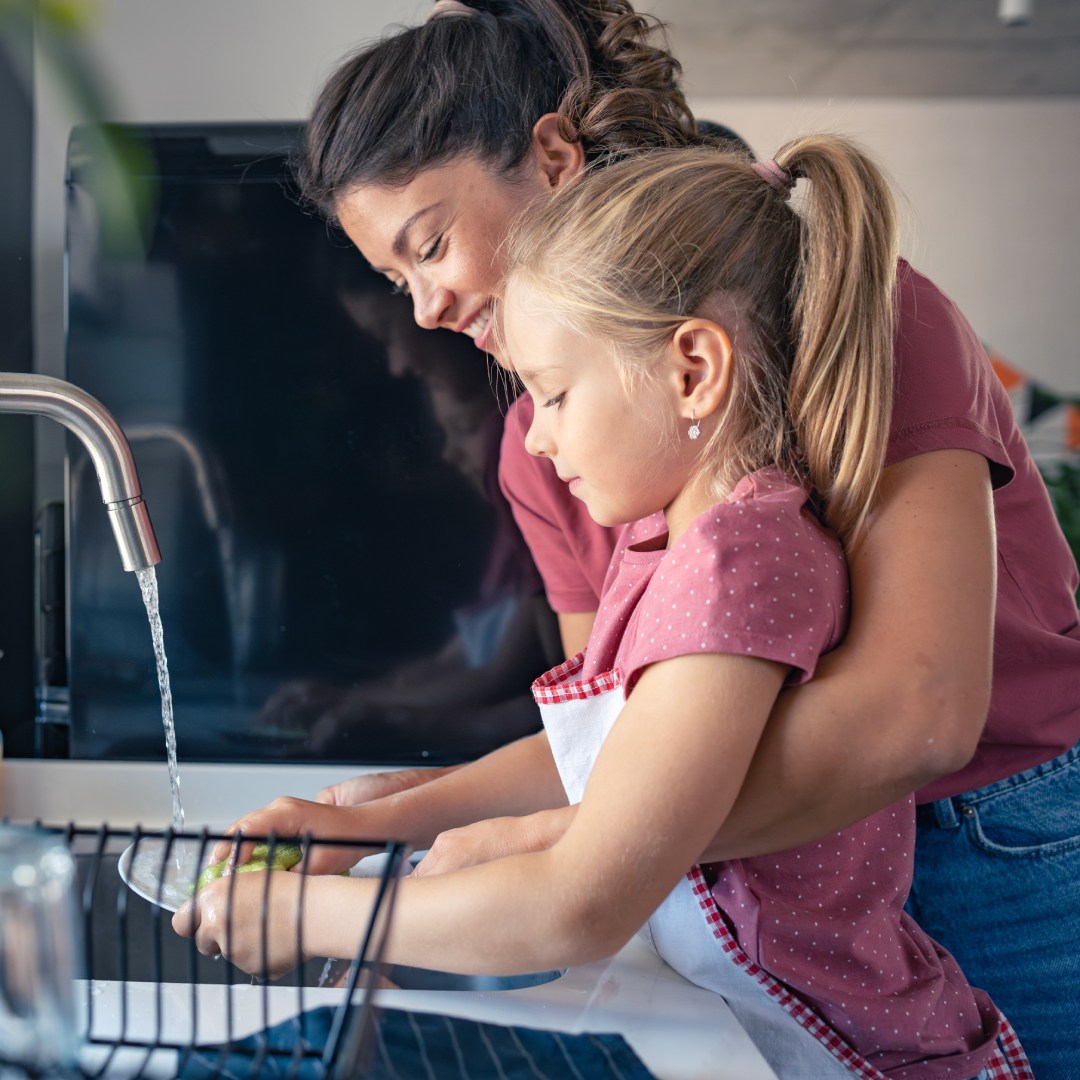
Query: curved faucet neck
point(79, 412)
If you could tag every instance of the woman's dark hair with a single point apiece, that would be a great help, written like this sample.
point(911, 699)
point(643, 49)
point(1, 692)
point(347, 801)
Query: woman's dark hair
point(474, 84)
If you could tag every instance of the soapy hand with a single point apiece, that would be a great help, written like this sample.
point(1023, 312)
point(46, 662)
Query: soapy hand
point(285, 856)
point(293, 817)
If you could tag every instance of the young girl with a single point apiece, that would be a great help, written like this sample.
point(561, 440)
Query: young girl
point(692, 346)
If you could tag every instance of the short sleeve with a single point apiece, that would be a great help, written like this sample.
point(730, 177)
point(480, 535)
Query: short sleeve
point(756, 576)
point(947, 396)
point(571, 551)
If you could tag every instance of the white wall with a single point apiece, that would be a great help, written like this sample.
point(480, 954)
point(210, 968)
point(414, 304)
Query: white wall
point(992, 213)
point(990, 183)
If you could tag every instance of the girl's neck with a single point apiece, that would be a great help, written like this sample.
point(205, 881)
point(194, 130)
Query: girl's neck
point(690, 503)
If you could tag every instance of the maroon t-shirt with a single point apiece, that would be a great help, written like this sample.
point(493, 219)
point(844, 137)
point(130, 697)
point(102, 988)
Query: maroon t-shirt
point(947, 397)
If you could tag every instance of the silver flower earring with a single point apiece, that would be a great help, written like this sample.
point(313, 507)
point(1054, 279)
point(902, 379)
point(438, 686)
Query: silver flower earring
point(695, 427)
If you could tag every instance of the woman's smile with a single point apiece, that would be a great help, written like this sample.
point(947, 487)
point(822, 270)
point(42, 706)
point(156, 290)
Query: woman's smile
point(439, 238)
point(479, 327)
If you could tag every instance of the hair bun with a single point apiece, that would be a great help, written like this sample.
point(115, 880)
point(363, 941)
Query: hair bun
point(631, 98)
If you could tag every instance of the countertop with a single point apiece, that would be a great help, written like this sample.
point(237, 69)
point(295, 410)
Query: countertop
point(680, 1031)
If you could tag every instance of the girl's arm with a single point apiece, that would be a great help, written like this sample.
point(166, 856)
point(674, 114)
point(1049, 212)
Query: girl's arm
point(664, 780)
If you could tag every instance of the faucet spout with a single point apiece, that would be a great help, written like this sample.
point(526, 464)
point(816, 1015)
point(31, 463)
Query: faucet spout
point(42, 395)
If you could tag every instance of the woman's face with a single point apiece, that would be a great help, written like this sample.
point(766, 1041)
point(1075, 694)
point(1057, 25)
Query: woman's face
point(439, 238)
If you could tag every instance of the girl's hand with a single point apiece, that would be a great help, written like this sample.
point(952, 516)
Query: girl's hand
point(495, 838)
point(226, 919)
point(290, 817)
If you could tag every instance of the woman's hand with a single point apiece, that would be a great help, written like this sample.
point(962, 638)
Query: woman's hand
point(370, 786)
point(494, 839)
point(291, 817)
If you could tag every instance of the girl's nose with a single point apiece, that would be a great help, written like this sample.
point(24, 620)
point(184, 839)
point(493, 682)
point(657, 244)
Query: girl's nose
point(537, 442)
point(430, 305)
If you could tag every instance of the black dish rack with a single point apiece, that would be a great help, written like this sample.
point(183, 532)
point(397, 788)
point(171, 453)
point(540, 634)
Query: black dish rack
point(138, 977)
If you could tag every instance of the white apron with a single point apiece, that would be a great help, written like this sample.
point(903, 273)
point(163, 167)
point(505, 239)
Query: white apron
point(687, 930)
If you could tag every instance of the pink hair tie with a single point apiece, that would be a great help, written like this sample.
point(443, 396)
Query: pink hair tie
point(449, 7)
point(776, 176)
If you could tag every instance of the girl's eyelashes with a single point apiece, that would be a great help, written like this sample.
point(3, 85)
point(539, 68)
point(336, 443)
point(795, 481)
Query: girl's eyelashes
point(555, 401)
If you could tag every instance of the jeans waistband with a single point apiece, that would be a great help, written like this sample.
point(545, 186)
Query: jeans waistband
point(946, 813)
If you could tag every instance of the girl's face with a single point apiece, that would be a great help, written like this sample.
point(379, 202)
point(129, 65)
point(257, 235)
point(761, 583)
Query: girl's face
point(618, 453)
point(438, 238)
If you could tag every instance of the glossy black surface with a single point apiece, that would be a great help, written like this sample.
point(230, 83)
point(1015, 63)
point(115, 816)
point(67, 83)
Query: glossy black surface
point(340, 577)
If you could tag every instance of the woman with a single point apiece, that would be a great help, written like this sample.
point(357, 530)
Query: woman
point(425, 147)
point(685, 336)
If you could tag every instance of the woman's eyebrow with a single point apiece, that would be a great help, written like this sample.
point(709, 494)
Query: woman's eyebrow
point(403, 233)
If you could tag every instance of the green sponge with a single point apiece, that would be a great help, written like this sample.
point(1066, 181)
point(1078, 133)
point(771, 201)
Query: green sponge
point(286, 856)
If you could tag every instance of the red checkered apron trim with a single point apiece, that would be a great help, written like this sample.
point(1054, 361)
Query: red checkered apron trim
point(1007, 1062)
point(556, 685)
point(801, 1012)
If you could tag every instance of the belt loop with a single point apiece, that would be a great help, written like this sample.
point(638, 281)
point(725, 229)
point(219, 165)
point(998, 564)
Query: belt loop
point(945, 814)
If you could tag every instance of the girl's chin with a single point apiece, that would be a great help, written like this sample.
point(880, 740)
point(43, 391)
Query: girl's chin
point(607, 520)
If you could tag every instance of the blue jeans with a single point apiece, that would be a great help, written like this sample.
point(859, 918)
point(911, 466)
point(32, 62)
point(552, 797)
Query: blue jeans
point(997, 882)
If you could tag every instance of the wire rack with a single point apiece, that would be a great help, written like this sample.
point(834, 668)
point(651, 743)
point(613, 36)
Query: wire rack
point(148, 1004)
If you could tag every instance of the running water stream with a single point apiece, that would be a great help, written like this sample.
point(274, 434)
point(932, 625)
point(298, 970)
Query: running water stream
point(148, 585)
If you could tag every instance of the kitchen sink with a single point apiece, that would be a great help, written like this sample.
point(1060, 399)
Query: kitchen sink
point(411, 978)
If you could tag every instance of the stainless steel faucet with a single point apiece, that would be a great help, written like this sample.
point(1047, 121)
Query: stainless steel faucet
point(42, 395)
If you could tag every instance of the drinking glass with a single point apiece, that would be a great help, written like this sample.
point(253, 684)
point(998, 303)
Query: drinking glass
point(39, 953)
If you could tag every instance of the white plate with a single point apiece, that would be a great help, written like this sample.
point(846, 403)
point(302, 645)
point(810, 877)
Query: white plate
point(142, 869)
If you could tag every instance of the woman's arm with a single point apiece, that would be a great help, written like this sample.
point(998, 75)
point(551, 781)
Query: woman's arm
point(901, 702)
point(516, 779)
point(574, 630)
point(658, 791)
point(903, 699)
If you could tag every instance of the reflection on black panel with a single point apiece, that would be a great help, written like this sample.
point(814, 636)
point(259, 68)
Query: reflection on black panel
point(340, 577)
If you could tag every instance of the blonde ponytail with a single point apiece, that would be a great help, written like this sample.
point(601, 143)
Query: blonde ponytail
point(841, 385)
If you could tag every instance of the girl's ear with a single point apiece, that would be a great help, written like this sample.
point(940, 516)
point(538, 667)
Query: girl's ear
point(701, 359)
point(559, 160)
